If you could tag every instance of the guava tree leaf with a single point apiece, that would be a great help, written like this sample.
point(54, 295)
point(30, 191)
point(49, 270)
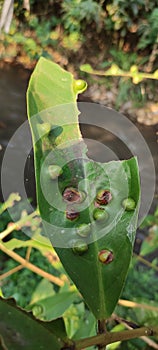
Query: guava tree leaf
point(20, 330)
point(98, 262)
point(43, 290)
point(53, 307)
point(87, 326)
point(15, 243)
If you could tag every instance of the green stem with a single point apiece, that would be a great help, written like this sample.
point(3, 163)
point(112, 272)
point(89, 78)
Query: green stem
point(112, 337)
point(17, 224)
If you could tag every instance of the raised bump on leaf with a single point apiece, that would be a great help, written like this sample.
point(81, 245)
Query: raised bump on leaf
point(72, 195)
point(72, 214)
point(99, 214)
point(105, 256)
point(80, 247)
point(103, 197)
point(84, 230)
point(129, 204)
point(79, 86)
point(54, 171)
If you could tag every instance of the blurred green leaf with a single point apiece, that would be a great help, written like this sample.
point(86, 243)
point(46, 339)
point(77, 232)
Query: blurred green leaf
point(87, 326)
point(43, 290)
point(20, 330)
point(40, 245)
point(150, 243)
point(52, 307)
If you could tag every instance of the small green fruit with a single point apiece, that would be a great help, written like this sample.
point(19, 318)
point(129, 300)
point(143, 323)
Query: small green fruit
point(54, 171)
point(128, 204)
point(84, 230)
point(80, 247)
point(79, 86)
point(105, 256)
point(100, 214)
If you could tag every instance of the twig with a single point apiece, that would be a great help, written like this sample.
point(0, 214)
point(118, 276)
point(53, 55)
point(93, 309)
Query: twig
point(112, 337)
point(10, 272)
point(133, 304)
point(131, 325)
point(150, 342)
point(146, 262)
point(117, 72)
point(17, 224)
point(28, 253)
point(152, 57)
point(101, 330)
point(31, 267)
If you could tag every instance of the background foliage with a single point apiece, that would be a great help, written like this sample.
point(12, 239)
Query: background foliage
point(75, 32)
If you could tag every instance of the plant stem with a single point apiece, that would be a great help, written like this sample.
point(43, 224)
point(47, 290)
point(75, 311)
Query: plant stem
point(133, 304)
point(17, 224)
point(31, 267)
point(112, 337)
point(146, 262)
point(10, 272)
point(147, 340)
point(102, 330)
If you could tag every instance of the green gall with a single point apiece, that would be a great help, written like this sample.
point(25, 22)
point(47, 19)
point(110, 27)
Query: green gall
point(84, 230)
point(103, 197)
point(80, 247)
point(105, 256)
point(54, 171)
point(128, 204)
point(100, 214)
point(79, 86)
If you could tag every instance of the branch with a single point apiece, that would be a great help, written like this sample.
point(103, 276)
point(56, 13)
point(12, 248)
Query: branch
point(146, 262)
point(10, 272)
point(130, 325)
point(31, 267)
point(17, 225)
point(133, 304)
point(112, 337)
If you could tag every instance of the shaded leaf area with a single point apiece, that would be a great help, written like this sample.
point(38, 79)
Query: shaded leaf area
point(20, 330)
point(52, 307)
point(59, 144)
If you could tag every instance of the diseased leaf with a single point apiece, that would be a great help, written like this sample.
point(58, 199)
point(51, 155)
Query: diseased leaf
point(89, 209)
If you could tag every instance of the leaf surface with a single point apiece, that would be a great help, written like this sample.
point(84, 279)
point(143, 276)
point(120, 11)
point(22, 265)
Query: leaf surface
point(20, 330)
point(52, 97)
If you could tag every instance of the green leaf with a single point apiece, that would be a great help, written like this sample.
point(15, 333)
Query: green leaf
point(43, 290)
point(20, 330)
point(53, 307)
point(150, 243)
point(98, 260)
point(15, 243)
point(87, 326)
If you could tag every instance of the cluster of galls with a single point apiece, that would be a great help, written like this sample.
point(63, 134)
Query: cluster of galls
point(72, 196)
